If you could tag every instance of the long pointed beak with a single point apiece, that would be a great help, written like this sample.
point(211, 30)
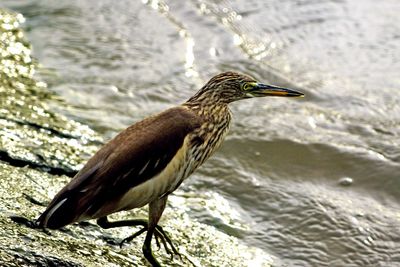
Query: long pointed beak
point(270, 90)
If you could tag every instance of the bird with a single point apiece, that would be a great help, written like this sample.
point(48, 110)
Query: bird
point(146, 162)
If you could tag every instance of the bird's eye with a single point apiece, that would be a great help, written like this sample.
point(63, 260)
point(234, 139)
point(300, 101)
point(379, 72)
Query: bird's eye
point(247, 86)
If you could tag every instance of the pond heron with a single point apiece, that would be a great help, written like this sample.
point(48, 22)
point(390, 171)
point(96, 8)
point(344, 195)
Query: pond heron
point(150, 159)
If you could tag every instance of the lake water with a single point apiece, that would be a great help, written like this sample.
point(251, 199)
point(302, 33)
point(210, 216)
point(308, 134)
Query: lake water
point(312, 181)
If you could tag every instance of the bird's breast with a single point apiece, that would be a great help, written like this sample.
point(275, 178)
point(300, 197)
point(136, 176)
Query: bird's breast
point(197, 147)
point(163, 183)
point(211, 136)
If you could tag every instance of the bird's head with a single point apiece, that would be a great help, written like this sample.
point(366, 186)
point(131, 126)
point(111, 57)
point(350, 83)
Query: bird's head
point(227, 87)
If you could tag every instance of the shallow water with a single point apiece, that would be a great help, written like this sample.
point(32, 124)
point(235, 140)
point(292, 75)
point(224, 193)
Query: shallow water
point(278, 172)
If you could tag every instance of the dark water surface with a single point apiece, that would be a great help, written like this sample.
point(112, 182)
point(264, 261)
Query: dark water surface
point(278, 174)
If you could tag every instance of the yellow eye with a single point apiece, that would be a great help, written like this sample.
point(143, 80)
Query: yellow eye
point(248, 86)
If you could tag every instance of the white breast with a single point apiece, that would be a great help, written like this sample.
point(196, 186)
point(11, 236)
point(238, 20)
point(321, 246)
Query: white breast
point(160, 184)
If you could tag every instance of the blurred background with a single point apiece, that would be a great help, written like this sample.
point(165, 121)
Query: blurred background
point(312, 181)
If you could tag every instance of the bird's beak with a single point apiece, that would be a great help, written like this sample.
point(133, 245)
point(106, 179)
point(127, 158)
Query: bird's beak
point(270, 90)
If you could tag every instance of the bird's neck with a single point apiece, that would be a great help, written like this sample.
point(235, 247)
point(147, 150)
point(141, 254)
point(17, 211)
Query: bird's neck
point(211, 112)
point(215, 124)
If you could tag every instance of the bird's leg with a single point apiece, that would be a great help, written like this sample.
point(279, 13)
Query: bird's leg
point(131, 237)
point(24, 221)
point(103, 222)
point(159, 233)
point(156, 209)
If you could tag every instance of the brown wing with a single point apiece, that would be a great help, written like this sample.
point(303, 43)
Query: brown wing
point(134, 156)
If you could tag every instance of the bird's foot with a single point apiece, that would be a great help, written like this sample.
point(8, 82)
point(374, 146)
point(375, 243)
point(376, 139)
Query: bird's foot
point(148, 254)
point(28, 223)
point(159, 234)
point(24, 221)
point(131, 237)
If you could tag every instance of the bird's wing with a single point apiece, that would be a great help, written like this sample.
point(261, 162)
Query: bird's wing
point(134, 156)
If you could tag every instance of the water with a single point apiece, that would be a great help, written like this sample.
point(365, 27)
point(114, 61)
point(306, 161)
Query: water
point(279, 171)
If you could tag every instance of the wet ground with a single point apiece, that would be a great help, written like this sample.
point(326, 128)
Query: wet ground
point(312, 182)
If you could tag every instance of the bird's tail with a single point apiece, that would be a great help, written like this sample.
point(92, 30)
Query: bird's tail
point(59, 213)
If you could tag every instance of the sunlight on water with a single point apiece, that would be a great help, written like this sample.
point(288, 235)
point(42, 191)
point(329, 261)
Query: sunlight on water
point(256, 46)
point(296, 172)
point(163, 8)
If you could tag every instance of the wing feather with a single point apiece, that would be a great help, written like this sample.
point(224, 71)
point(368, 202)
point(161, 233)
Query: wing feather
point(133, 157)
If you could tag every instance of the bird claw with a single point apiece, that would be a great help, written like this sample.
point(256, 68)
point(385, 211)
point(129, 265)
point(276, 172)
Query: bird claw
point(131, 237)
point(28, 223)
point(159, 234)
point(165, 239)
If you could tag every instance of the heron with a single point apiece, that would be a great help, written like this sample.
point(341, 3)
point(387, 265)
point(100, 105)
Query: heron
point(149, 160)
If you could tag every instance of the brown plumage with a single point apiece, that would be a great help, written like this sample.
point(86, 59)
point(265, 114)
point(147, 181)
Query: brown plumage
point(128, 160)
point(150, 159)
